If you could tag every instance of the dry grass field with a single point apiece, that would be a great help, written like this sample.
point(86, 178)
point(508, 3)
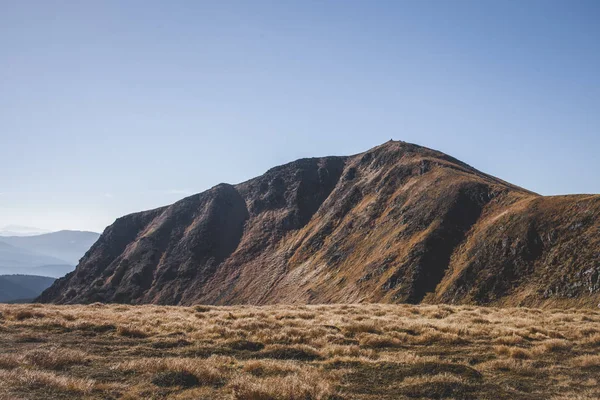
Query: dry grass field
point(367, 351)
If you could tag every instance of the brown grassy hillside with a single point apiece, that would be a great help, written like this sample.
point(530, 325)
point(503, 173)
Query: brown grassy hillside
point(398, 223)
point(326, 352)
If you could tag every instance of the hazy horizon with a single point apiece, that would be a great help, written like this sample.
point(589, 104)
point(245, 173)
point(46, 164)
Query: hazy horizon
point(110, 108)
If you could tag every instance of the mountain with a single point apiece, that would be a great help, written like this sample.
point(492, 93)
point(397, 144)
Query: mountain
point(52, 254)
point(50, 270)
point(15, 260)
point(22, 287)
point(66, 246)
point(398, 223)
point(18, 230)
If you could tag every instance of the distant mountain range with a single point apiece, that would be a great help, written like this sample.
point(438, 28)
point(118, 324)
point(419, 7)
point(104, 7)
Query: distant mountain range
point(50, 254)
point(19, 230)
point(22, 288)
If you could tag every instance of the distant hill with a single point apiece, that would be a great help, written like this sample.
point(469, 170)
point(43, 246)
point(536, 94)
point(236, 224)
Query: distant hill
point(398, 223)
point(22, 287)
point(16, 260)
point(66, 247)
point(50, 270)
point(51, 254)
point(18, 230)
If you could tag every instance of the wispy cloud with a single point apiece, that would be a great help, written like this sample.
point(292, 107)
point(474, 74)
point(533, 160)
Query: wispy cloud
point(108, 195)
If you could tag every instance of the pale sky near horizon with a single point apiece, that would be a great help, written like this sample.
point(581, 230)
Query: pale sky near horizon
point(111, 107)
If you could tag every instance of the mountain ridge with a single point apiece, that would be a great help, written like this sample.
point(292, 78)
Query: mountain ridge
point(397, 223)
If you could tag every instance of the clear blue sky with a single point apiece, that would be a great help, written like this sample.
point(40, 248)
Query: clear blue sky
point(110, 107)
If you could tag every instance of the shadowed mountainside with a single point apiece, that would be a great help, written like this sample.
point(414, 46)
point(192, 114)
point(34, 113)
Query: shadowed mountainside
point(398, 223)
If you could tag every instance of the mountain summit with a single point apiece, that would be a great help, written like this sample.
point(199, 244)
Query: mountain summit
point(398, 223)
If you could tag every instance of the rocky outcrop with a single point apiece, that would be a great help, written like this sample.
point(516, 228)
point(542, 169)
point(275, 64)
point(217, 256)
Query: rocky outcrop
point(398, 223)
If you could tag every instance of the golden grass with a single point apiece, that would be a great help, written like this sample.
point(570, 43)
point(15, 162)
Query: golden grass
point(437, 378)
point(353, 351)
point(593, 340)
point(378, 342)
point(298, 386)
point(271, 367)
point(510, 340)
point(587, 361)
point(553, 345)
point(53, 358)
point(131, 331)
point(519, 367)
point(513, 352)
point(24, 379)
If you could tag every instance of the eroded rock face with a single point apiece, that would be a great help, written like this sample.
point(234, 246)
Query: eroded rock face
point(398, 223)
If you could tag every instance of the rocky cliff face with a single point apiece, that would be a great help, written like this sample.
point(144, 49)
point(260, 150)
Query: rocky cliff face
point(398, 223)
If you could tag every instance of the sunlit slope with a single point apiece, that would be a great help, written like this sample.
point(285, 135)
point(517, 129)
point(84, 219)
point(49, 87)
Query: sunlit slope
point(398, 223)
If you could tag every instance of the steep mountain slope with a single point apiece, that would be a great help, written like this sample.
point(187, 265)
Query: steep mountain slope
point(539, 249)
point(22, 287)
point(67, 246)
point(398, 223)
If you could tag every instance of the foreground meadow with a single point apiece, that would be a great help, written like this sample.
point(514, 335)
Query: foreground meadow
point(367, 351)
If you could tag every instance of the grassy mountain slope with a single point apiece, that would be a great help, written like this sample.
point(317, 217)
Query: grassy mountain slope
point(398, 223)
